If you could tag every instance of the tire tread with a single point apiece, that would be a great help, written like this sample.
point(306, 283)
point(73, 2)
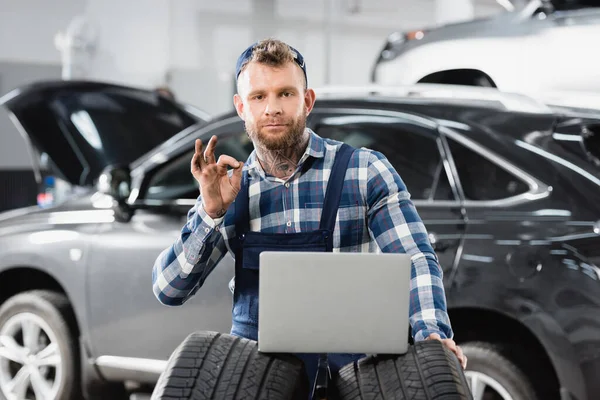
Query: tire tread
point(216, 366)
point(428, 371)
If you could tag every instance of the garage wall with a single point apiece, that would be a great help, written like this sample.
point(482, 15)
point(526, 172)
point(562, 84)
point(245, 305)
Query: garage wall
point(27, 28)
point(192, 45)
point(13, 153)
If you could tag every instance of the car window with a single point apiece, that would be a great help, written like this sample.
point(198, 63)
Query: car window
point(441, 188)
point(413, 153)
point(591, 144)
point(482, 179)
point(173, 180)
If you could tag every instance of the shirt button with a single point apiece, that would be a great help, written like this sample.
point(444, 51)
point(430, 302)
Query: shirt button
point(289, 223)
point(206, 230)
point(287, 184)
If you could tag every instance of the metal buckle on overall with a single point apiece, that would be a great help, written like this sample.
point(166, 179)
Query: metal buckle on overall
point(323, 379)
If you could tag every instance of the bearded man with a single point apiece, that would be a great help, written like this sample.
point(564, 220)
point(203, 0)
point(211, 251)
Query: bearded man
point(260, 205)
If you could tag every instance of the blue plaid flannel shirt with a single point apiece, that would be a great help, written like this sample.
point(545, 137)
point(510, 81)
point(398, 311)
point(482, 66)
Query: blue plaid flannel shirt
point(376, 214)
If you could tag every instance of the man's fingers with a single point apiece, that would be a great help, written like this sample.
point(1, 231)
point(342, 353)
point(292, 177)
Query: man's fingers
point(451, 344)
point(198, 158)
point(225, 161)
point(434, 336)
point(458, 351)
point(236, 177)
point(209, 153)
point(461, 358)
point(195, 163)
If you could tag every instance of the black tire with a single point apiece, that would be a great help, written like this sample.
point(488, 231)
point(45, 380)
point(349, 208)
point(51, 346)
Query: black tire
point(427, 371)
point(54, 309)
point(210, 365)
point(486, 359)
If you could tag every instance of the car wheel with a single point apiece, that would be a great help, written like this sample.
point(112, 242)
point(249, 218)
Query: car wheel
point(38, 353)
point(491, 376)
point(427, 371)
point(210, 365)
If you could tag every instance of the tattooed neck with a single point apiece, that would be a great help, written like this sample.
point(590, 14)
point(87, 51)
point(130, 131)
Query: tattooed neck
point(283, 162)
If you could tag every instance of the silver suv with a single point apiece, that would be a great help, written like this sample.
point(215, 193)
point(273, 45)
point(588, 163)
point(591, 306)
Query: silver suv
point(543, 48)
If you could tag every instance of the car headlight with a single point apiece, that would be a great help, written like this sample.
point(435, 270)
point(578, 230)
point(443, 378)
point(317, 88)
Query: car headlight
point(396, 40)
point(415, 35)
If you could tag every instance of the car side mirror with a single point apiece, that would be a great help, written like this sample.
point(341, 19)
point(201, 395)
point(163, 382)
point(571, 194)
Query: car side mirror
point(115, 181)
point(547, 6)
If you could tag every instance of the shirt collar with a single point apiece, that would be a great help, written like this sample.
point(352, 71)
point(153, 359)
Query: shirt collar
point(316, 145)
point(315, 148)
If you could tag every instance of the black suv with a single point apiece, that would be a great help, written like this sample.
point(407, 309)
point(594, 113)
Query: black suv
point(509, 190)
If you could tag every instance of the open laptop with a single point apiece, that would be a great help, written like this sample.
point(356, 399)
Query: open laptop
point(333, 302)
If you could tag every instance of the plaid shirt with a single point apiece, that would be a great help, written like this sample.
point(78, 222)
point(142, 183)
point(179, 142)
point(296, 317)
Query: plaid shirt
point(375, 215)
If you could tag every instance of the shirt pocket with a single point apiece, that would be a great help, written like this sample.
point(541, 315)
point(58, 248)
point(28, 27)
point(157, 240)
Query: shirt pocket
point(350, 219)
point(310, 216)
point(351, 222)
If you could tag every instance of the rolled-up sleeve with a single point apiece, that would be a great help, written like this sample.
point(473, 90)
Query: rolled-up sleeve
point(397, 228)
point(181, 269)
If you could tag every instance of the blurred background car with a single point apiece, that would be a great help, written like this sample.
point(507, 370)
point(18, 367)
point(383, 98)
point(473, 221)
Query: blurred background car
point(508, 188)
point(92, 124)
point(540, 47)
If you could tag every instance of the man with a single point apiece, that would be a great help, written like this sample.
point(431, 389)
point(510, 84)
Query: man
point(285, 196)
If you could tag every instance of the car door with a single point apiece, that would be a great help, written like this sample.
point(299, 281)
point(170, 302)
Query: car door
point(126, 320)
point(414, 148)
point(504, 230)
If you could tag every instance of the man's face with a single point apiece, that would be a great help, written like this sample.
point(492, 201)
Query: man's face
point(274, 104)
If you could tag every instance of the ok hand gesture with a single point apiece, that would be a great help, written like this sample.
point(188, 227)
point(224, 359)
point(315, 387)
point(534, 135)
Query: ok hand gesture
point(217, 189)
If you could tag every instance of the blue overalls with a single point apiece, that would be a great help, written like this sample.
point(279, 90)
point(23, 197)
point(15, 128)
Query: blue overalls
point(248, 245)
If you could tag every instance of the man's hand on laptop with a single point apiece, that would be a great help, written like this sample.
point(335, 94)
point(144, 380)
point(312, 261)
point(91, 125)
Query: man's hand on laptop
point(218, 190)
point(449, 343)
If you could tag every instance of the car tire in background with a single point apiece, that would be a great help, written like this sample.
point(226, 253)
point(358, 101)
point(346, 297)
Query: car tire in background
point(38, 347)
point(428, 370)
point(491, 375)
point(210, 365)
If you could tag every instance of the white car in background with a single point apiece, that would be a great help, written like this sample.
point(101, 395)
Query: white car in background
point(542, 47)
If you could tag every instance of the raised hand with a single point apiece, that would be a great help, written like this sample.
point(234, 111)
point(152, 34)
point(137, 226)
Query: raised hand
point(218, 190)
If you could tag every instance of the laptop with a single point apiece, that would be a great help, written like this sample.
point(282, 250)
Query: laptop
point(313, 302)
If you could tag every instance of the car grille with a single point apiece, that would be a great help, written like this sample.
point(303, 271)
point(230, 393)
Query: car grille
point(18, 188)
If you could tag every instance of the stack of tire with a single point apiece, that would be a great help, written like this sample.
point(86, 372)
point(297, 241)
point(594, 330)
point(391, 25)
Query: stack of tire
point(210, 365)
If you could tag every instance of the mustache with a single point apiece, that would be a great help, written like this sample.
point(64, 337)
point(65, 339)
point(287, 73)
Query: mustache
point(283, 123)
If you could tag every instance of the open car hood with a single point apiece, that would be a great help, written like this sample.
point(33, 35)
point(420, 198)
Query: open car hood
point(83, 126)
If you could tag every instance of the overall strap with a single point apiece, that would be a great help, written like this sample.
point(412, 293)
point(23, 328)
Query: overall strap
point(242, 212)
point(335, 187)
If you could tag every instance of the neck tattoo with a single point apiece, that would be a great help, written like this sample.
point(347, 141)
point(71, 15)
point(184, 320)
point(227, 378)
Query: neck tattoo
point(282, 163)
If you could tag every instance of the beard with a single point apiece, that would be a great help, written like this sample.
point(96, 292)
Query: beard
point(290, 137)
